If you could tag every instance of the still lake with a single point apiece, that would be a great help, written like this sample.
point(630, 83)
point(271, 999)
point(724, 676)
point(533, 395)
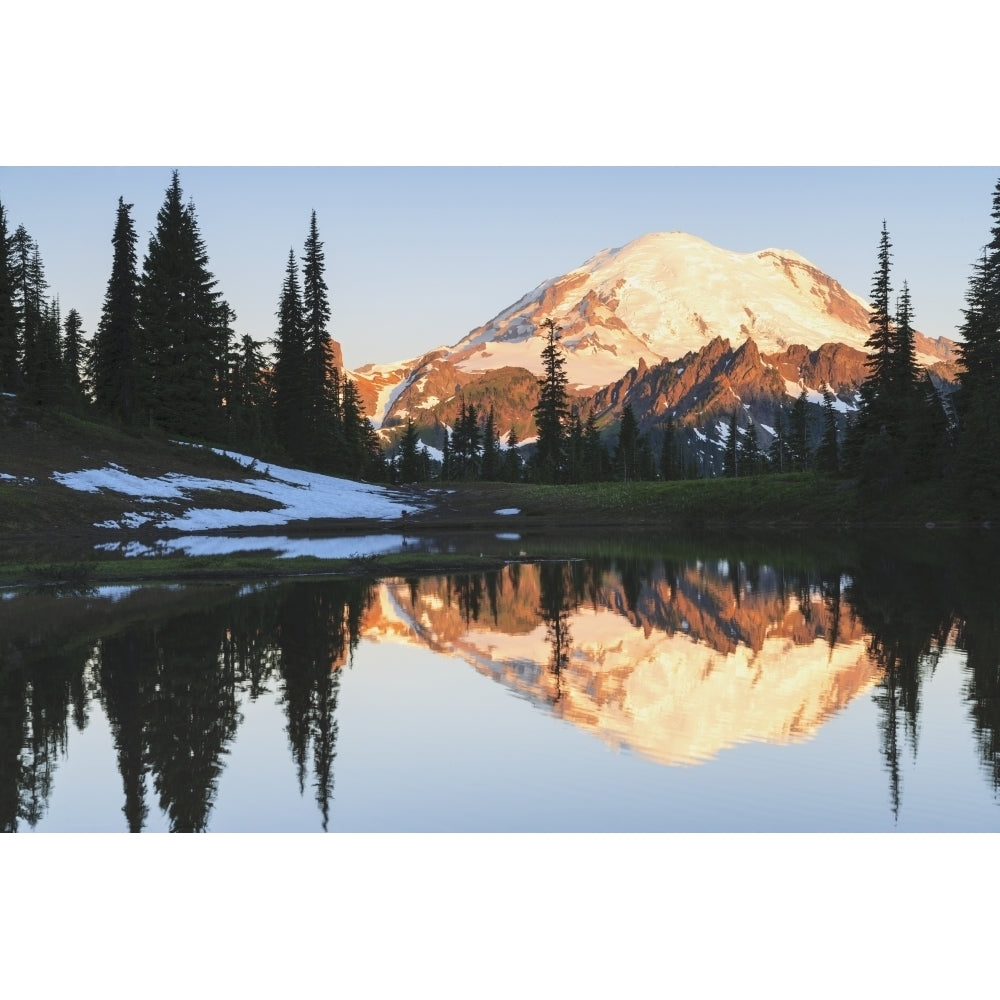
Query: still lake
point(721, 683)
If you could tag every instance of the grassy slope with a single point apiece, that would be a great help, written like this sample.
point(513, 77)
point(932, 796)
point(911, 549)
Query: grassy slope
point(46, 530)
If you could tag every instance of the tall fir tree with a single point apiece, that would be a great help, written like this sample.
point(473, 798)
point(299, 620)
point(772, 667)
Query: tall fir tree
point(409, 459)
point(512, 458)
point(322, 414)
point(184, 322)
point(880, 362)
point(252, 424)
point(9, 318)
point(828, 453)
point(290, 366)
point(490, 469)
point(594, 456)
point(670, 466)
point(798, 435)
point(47, 385)
point(978, 399)
point(731, 454)
point(627, 449)
point(552, 410)
point(779, 454)
point(73, 358)
point(906, 375)
point(750, 459)
point(29, 289)
point(114, 363)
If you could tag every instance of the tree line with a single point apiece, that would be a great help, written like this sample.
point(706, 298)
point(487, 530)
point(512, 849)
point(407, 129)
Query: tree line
point(904, 429)
point(165, 355)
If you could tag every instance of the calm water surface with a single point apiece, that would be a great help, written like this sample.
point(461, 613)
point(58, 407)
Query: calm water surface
point(717, 685)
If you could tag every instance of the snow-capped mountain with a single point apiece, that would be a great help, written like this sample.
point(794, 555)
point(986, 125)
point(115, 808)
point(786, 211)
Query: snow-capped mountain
point(655, 300)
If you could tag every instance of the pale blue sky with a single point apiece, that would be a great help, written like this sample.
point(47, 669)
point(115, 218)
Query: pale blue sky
point(419, 256)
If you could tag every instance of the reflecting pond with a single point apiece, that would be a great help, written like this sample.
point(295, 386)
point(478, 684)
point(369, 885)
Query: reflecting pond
point(715, 684)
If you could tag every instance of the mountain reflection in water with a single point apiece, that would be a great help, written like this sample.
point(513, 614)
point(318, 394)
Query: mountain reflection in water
point(675, 664)
point(673, 658)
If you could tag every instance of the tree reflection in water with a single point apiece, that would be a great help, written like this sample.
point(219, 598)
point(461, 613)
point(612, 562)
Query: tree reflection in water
point(555, 585)
point(170, 686)
point(171, 669)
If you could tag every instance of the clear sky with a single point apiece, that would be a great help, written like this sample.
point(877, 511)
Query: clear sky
point(418, 256)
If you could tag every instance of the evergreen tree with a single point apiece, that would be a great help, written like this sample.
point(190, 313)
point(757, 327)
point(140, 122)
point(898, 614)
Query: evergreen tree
point(627, 449)
point(323, 413)
point(409, 461)
point(184, 323)
point(798, 437)
point(361, 451)
point(877, 389)
point(9, 317)
point(978, 398)
point(906, 373)
point(670, 465)
point(446, 461)
point(469, 441)
point(252, 425)
point(552, 410)
point(114, 363)
point(512, 458)
point(575, 469)
point(46, 383)
point(892, 404)
point(780, 453)
point(927, 434)
point(594, 459)
point(980, 349)
point(490, 470)
point(750, 459)
point(21, 247)
point(73, 351)
point(731, 455)
point(290, 401)
point(828, 454)
point(30, 287)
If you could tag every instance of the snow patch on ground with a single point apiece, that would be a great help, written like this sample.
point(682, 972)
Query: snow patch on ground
point(507, 510)
point(297, 496)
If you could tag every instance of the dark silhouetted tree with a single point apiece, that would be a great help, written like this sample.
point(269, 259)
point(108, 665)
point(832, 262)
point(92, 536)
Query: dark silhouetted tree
point(828, 453)
point(552, 410)
point(73, 359)
point(978, 398)
point(114, 364)
point(9, 317)
point(290, 366)
point(185, 323)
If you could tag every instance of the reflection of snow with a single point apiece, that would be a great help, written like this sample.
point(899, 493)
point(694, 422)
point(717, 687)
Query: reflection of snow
point(285, 548)
point(665, 695)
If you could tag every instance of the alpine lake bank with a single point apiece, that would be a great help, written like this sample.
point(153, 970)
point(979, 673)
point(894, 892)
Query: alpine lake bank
point(49, 535)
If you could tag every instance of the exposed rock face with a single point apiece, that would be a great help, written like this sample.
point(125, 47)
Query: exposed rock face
point(669, 324)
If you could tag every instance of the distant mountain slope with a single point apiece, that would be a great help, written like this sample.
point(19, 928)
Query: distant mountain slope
point(661, 298)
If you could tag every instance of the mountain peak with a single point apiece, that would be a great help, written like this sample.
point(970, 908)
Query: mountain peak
point(658, 298)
